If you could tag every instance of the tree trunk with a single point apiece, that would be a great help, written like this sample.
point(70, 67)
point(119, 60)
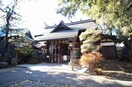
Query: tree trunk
point(7, 39)
point(128, 46)
point(130, 52)
point(10, 16)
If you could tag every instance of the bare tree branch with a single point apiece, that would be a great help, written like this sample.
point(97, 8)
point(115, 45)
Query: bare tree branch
point(10, 16)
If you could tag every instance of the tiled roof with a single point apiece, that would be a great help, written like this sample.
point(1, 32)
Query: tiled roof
point(72, 23)
point(65, 30)
point(58, 35)
point(83, 26)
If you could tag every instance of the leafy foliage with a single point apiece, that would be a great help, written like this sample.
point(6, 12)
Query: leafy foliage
point(22, 41)
point(90, 39)
point(26, 51)
point(24, 54)
point(112, 13)
point(91, 60)
point(90, 45)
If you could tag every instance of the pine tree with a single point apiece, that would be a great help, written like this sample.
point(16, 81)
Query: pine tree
point(90, 40)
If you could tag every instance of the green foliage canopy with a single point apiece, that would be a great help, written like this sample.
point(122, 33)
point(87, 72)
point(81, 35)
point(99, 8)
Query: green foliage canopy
point(111, 12)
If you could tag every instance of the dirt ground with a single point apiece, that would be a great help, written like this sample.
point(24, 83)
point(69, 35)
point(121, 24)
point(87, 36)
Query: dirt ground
point(118, 70)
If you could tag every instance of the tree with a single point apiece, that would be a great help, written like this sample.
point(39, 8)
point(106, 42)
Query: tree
point(91, 58)
point(112, 13)
point(90, 40)
point(10, 15)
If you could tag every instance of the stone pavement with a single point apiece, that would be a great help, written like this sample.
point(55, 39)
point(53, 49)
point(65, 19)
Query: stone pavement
point(55, 75)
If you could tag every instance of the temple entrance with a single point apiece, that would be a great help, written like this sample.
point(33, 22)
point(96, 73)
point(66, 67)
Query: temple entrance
point(65, 53)
point(58, 52)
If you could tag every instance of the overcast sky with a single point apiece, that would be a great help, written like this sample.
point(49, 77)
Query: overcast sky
point(36, 12)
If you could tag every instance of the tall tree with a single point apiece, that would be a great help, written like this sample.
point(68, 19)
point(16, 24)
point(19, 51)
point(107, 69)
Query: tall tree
point(9, 16)
point(90, 39)
point(112, 13)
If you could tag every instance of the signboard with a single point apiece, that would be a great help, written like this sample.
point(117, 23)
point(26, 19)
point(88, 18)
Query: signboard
point(76, 52)
point(65, 57)
point(107, 44)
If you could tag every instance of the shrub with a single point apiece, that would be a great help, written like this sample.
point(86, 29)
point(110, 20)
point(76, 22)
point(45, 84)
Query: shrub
point(34, 60)
point(91, 60)
point(24, 54)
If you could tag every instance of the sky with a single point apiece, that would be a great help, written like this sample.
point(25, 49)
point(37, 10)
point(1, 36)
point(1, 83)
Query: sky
point(37, 12)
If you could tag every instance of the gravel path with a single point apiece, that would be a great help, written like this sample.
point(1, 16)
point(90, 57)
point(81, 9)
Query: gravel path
point(29, 83)
point(59, 75)
point(8, 69)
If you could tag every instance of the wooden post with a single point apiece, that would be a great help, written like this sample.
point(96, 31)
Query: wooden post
point(55, 51)
point(72, 46)
point(72, 58)
point(16, 56)
point(58, 52)
point(52, 52)
point(71, 54)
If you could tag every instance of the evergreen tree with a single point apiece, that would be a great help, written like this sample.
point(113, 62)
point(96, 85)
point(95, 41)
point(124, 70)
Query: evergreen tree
point(90, 40)
point(91, 58)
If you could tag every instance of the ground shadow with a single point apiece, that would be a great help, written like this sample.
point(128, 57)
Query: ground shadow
point(62, 78)
point(118, 75)
point(112, 69)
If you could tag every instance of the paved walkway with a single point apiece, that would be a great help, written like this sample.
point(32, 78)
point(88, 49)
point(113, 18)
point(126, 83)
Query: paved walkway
point(51, 67)
point(57, 75)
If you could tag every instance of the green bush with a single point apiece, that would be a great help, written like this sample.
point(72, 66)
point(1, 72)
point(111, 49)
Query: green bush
point(34, 60)
point(24, 54)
